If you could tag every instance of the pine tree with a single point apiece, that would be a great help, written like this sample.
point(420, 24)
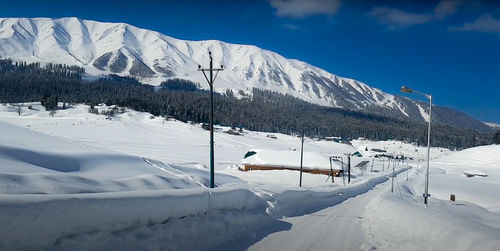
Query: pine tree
point(496, 138)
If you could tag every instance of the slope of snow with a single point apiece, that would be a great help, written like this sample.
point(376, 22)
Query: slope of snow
point(71, 187)
point(103, 48)
point(179, 144)
point(492, 125)
point(448, 176)
point(470, 223)
point(46, 164)
point(152, 57)
point(424, 114)
point(37, 163)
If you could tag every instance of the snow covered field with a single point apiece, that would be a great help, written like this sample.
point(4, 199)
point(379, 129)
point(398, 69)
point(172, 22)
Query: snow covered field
point(135, 181)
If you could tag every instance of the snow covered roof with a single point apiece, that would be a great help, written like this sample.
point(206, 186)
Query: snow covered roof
point(289, 158)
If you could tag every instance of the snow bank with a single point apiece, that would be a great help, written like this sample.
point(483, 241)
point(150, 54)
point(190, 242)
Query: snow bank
point(40, 220)
point(448, 176)
point(32, 162)
point(401, 222)
point(296, 201)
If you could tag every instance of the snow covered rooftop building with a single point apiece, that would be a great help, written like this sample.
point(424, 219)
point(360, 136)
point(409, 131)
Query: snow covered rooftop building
point(267, 159)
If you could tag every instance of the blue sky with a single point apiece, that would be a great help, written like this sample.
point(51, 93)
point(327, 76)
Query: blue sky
point(449, 48)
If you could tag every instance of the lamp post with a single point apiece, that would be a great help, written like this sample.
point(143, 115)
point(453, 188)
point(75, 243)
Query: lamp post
point(406, 89)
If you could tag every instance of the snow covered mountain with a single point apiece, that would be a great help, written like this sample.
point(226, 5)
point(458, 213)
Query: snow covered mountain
point(104, 48)
point(492, 125)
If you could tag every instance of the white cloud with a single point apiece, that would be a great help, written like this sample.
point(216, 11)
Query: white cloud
point(446, 8)
point(292, 26)
point(484, 23)
point(304, 8)
point(395, 18)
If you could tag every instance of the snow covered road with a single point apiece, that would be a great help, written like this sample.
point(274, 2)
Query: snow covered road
point(339, 227)
point(381, 220)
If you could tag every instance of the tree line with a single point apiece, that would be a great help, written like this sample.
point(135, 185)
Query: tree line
point(184, 100)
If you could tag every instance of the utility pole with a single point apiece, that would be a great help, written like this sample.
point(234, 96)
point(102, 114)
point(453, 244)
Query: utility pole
point(392, 186)
point(331, 170)
point(373, 160)
point(341, 161)
point(301, 157)
point(211, 83)
point(349, 169)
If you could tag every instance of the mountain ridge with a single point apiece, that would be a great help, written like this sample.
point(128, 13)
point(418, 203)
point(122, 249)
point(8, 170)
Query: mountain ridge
point(119, 48)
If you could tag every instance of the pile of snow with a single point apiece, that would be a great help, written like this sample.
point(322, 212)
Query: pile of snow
point(41, 220)
point(448, 176)
point(51, 188)
point(400, 221)
point(32, 162)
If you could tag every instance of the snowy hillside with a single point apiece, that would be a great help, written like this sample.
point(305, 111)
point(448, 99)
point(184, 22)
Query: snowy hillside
point(38, 163)
point(103, 48)
point(138, 182)
point(492, 125)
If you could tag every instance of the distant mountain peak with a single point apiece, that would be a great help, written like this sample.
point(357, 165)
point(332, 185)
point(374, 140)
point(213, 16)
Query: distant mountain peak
point(119, 48)
point(493, 125)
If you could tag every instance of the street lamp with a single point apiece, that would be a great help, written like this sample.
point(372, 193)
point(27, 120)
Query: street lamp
point(406, 89)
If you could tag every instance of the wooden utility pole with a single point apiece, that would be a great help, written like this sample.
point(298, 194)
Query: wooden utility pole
point(211, 83)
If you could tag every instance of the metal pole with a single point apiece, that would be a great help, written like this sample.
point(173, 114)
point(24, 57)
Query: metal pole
point(349, 169)
point(343, 171)
point(331, 169)
point(426, 195)
point(301, 158)
point(210, 81)
point(212, 185)
point(373, 160)
point(392, 186)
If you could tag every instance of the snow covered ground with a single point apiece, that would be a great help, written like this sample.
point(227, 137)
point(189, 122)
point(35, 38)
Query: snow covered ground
point(135, 181)
point(173, 142)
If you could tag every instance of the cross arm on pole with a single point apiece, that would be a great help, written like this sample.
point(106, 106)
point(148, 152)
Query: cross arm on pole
point(217, 70)
point(203, 70)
